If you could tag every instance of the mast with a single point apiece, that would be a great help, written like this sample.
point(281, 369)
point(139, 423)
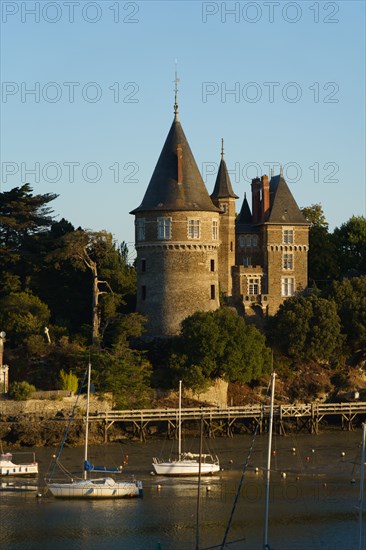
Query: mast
point(362, 477)
point(199, 488)
point(87, 422)
point(268, 473)
point(180, 421)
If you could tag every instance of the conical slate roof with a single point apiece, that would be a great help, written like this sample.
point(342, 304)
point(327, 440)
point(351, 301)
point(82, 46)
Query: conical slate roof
point(164, 192)
point(283, 205)
point(244, 220)
point(223, 188)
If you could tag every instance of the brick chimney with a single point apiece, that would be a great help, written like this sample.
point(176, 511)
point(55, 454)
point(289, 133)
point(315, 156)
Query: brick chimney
point(265, 197)
point(180, 163)
point(256, 200)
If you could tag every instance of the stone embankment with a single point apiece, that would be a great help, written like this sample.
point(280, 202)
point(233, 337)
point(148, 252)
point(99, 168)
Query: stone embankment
point(42, 422)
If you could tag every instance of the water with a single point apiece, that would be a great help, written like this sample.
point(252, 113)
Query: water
point(313, 508)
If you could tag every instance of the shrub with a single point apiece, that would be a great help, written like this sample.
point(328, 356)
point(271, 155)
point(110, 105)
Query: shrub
point(20, 391)
point(68, 381)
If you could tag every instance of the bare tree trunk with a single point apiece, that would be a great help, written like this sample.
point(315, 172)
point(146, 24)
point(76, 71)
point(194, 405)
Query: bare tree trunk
point(96, 318)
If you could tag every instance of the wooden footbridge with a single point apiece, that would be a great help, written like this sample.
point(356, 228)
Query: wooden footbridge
point(230, 420)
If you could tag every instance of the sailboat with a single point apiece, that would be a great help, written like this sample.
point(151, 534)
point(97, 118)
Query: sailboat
point(187, 464)
point(94, 488)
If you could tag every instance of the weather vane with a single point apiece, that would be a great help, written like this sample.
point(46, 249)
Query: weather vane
point(176, 82)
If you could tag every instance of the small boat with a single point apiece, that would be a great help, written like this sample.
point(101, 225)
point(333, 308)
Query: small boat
point(93, 488)
point(187, 464)
point(9, 468)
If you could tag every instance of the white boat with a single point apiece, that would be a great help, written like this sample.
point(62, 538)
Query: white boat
point(94, 488)
point(9, 468)
point(187, 464)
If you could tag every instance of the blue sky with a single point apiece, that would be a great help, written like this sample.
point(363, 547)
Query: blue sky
point(279, 81)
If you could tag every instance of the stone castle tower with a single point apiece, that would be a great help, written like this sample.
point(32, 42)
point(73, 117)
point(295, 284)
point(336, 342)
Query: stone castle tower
point(190, 246)
point(177, 240)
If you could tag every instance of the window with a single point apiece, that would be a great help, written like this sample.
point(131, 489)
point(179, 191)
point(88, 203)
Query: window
point(194, 229)
point(288, 236)
point(288, 286)
point(248, 241)
point(213, 292)
point(212, 265)
point(223, 207)
point(215, 230)
point(143, 265)
point(247, 261)
point(143, 292)
point(164, 228)
point(288, 261)
point(254, 285)
point(140, 229)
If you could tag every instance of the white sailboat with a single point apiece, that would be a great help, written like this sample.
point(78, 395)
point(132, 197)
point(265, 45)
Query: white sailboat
point(94, 488)
point(187, 464)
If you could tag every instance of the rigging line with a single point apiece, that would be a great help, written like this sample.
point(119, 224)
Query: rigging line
point(68, 427)
point(245, 466)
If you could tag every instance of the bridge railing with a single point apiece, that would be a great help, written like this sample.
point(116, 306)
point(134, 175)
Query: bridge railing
point(247, 411)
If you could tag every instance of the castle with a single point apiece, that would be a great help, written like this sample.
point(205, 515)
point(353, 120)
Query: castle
point(191, 247)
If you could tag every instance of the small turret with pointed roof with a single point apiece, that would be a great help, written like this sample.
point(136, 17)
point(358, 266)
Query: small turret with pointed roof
point(224, 197)
point(244, 220)
point(223, 188)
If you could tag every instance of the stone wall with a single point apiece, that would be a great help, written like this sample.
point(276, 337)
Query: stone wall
point(50, 408)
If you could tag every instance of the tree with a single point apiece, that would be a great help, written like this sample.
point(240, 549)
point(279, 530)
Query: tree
point(350, 298)
point(350, 245)
point(322, 261)
point(23, 315)
point(307, 328)
point(86, 250)
point(219, 344)
point(68, 381)
point(24, 218)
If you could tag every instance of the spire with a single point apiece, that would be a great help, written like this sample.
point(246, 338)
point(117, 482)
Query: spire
point(176, 183)
point(223, 188)
point(176, 82)
point(281, 171)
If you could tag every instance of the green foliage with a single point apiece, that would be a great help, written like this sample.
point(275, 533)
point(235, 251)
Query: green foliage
point(322, 261)
point(24, 219)
point(307, 328)
point(125, 373)
point(21, 315)
point(315, 216)
point(68, 381)
point(20, 391)
point(219, 344)
point(350, 298)
point(350, 243)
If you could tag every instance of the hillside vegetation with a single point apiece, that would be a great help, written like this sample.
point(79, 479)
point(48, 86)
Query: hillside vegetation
point(68, 294)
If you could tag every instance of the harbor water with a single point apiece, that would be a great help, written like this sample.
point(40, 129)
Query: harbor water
point(314, 497)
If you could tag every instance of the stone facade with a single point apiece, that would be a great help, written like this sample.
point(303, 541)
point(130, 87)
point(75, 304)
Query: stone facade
point(177, 274)
point(191, 245)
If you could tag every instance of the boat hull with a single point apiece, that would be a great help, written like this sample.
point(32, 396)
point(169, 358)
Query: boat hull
point(184, 468)
point(8, 468)
point(96, 489)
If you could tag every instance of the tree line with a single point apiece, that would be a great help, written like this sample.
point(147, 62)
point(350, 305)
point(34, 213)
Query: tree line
point(68, 294)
